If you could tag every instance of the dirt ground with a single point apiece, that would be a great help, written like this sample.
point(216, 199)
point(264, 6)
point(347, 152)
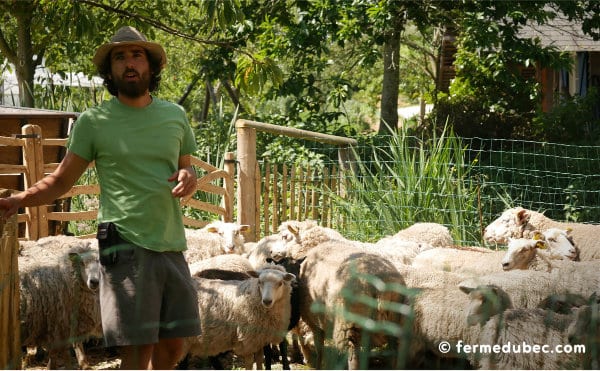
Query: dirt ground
point(101, 358)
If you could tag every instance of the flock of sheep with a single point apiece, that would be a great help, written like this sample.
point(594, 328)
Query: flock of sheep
point(410, 298)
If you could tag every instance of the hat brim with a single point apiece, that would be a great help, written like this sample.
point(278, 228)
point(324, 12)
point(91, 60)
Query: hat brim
point(154, 49)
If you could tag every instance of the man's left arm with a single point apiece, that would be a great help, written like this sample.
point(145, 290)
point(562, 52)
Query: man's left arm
point(185, 177)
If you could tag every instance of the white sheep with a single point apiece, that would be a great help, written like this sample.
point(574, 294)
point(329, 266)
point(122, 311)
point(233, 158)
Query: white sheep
point(464, 260)
point(59, 297)
point(261, 252)
point(427, 278)
point(505, 327)
point(332, 278)
point(527, 288)
point(397, 250)
point(523, 223)
point(216, 238)
point(440, 315)
point(228, 262)
point(434, 234)
point(242, 316)
point(301, 236)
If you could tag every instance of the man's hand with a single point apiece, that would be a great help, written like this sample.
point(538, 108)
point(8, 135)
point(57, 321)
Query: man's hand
point(186, 182)
point(8, 207)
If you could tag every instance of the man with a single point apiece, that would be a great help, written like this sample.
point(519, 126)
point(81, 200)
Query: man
point(142, 150)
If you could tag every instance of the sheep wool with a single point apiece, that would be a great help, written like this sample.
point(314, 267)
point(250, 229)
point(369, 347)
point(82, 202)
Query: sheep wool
point(216, 238)
point(434, 234)
point(242, 316)
point(471, 261)
point(332, 276)
point(527, 288)
point(502, 325)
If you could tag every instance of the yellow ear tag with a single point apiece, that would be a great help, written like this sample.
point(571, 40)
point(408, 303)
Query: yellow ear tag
point(537, 236)
point(540, 245)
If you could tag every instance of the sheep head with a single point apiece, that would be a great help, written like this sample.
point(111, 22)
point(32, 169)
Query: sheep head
point(274, 284)
point(486, 301)
point(561, 243)
point(86, 265)
point(230, 233)
point(521, 252)
point(511, 223)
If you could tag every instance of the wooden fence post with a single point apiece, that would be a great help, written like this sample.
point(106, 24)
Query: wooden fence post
point(10, 340)
point(246, 201)
point(33, 159)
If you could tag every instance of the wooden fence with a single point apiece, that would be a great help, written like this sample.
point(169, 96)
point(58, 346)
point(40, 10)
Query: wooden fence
point(10, 345)
point(296, 193)
point(249, 190)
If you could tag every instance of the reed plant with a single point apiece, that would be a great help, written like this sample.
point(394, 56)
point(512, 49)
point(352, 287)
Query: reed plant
point(411, 180)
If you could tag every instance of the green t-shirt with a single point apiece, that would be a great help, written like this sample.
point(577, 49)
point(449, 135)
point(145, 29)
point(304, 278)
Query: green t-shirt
point(136, 150)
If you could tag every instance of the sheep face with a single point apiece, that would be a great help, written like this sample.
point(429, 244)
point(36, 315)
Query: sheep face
point(485, 302)
point(560, 243)
point(87, 266)
point(511, 223)
point(521, 251)
point(231, 234)
point(274, 285)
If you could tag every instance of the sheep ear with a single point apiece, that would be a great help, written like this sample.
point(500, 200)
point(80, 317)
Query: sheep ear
point(289, 277)
point(252, 274)
point(212, 229)
point(522, 217)
point(244, 228)
point(540, 245)
point(292, 228)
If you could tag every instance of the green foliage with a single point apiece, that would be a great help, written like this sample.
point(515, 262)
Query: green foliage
point(573, 120)
point(408, 181)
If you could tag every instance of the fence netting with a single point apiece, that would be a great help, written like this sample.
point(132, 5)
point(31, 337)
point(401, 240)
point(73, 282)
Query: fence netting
point(463, 183)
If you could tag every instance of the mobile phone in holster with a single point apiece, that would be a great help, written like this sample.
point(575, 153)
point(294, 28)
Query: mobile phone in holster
point(107, 236)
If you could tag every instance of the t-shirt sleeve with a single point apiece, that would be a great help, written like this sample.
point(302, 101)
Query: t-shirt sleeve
point(80, 139)
point(188, 145)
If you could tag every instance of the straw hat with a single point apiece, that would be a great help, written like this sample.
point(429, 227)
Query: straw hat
point(128, 35)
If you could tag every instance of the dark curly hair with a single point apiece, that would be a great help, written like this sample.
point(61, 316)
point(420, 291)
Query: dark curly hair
point(155, 69)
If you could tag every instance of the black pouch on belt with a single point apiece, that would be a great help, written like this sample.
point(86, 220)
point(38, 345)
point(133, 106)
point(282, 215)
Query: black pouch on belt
point(107, 236)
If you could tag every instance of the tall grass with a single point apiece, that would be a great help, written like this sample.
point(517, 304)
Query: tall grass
point(412, 180)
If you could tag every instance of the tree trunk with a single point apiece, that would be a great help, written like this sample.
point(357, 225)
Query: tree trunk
point(25, 65)
point(391, 77)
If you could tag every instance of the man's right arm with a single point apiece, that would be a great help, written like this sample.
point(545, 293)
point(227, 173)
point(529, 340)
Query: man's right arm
point(49, 188)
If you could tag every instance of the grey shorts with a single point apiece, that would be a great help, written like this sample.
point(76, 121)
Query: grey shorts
point(146, 296)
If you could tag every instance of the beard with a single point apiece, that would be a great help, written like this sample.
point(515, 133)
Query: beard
point(132, 89)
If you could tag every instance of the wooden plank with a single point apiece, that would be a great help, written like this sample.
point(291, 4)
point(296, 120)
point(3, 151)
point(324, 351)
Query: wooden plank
point(266, 197)
point(284, 193)
point(10, 346)
point(276, 197)
point(70, 216)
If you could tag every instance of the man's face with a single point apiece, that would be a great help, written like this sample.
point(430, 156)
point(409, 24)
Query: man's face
point(130, 70)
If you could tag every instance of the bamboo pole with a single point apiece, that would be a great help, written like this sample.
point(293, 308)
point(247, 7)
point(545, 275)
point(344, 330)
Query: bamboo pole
point(228, 184)
point(276, 197)
point(266, 193)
